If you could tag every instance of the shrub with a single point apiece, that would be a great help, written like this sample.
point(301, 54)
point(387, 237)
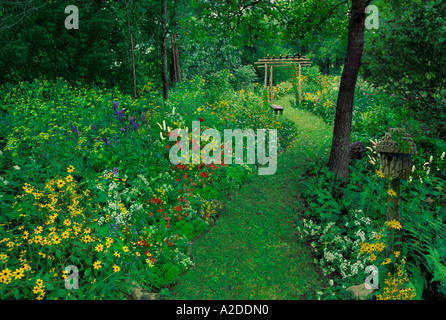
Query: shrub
point(244, 77)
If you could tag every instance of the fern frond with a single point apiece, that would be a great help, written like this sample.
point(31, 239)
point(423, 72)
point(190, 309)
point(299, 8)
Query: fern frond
point(436, 266)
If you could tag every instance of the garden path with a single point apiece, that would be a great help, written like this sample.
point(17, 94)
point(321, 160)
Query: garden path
point(252, 251)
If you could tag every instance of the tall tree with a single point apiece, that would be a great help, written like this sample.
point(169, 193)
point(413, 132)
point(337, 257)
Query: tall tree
point(163, 35)
point(339, 154)
point(176, 65)
point(131, 50)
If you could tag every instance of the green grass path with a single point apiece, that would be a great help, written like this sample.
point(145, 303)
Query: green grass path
point(252, 251)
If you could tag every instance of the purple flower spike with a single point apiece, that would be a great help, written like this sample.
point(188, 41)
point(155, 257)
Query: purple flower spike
point(123, 130)
point(92, 127)
point(135, 126)
point(73, 129)
point(115, 171)
point(120, 114)
point(131, 119)
point(115, 105)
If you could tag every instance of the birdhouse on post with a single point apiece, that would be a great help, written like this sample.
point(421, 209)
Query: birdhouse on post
point(395, 150)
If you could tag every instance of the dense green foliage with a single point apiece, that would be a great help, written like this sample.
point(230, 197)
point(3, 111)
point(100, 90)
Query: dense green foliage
point(405, 56)
point(40, 45)
point(85, 174)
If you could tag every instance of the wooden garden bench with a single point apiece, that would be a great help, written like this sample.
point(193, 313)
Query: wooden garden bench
point(277, 108)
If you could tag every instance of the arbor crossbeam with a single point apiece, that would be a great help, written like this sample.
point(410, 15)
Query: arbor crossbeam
point(286, 61)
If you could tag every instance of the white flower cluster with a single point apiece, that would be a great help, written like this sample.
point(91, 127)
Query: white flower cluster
point(184, 260)
point(4, 181)
point(116, 200)
point(176, 119)
point(338, 250)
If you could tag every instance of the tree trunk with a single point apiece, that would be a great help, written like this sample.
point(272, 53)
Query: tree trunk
point(164, 75)
point(339, 154)
point(176, 66)
point(131, 50)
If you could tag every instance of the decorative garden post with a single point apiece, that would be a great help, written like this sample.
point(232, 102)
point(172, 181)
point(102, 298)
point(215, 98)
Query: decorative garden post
point(395, 150)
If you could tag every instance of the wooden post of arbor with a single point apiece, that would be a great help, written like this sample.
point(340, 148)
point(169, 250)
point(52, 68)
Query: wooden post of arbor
point(300, 90)
point(282, 62)
point(271, 84)
point(395, 150)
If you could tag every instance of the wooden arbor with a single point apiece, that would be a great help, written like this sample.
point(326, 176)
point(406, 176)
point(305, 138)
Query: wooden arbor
point(280, 61)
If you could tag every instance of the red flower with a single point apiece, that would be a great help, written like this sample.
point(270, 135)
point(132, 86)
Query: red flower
point(167, 147)
point(160, 209)
point(203, 174)
point(177, 208)
point(142, 243)
point(201, 119)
